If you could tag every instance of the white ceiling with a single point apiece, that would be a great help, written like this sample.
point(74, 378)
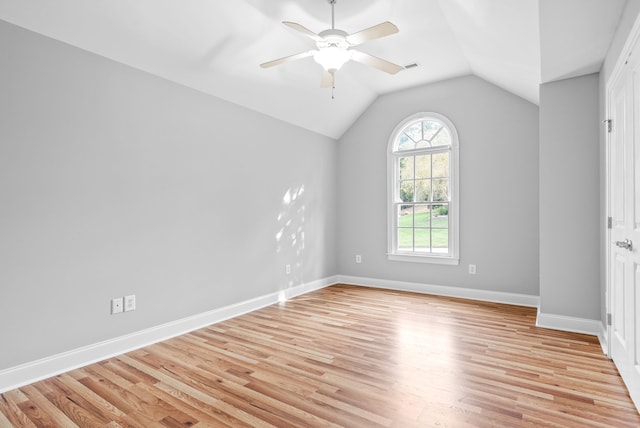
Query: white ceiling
point(216, 46)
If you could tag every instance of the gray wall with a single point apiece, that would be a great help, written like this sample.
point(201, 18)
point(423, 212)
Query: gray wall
point(498, 185)
point(629, 16)
point(113, 182)
point(569, 198)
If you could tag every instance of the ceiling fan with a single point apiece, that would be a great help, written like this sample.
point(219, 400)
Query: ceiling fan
point(334, 49)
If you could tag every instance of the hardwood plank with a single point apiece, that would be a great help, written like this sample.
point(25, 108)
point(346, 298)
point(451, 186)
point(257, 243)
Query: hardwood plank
point(81, 411)
point(345, 356)
point(217, 407)
point(42, 411)
point(9, 407)
point(103, 407)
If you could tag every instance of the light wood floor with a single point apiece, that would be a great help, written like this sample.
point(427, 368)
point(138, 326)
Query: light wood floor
point(345, 356)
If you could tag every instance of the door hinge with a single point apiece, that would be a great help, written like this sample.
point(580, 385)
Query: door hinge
point(609, 222)
point(609, 123)
point(608, 319)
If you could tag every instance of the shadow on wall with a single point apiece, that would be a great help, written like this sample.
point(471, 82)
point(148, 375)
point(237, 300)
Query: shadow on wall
point(290, 237)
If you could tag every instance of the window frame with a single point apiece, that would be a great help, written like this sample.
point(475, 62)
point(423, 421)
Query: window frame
point(393, 253)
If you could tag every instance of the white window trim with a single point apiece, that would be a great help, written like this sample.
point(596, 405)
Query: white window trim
point(454, 204)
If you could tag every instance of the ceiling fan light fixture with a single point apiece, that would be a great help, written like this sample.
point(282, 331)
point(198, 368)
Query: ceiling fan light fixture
point(332, 58)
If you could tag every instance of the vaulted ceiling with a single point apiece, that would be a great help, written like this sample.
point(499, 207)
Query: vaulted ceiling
point(216, 46)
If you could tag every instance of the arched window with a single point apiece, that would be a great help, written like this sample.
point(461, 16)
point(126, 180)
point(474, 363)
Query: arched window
point(423, 190)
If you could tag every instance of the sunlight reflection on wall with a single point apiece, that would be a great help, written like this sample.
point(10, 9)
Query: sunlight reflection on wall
point(290, 240)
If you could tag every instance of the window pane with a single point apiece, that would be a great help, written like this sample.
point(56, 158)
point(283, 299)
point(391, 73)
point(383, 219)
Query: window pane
point(422, 216)
point(406, 191)
point(440, 240)
point(423, 166)
point(405, 239)
point(430, 128)
point(442, 139)
point(440, 216)
point(414, 132)
point(441, 190)
point(423, 239)
point(404, 143)
point(423, 144)
point(405, 215)
point(405, 166)
point(441, 164)
point(423, 190)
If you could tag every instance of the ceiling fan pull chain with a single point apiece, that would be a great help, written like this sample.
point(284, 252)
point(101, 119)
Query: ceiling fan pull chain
point(333, 84)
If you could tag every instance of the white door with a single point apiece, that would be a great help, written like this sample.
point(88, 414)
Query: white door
point(624, 207)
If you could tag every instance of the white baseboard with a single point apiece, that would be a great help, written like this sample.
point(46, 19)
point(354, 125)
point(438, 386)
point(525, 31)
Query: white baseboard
point(24, 374)
point(603, 337)
point(443, 290)
point(576, 325)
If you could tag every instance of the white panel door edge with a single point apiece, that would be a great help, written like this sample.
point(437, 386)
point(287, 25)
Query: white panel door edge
point(623, 209)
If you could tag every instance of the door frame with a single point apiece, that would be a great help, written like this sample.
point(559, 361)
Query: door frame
point(633, 41)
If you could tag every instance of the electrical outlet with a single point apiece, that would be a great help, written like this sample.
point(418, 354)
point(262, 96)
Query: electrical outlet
point(358, 258)
point(287, 269)
point(130, 303)
point(116, 305)
point(472, 269)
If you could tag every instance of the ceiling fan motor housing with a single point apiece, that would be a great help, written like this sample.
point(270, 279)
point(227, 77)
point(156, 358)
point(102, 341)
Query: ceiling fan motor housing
point(333, 38)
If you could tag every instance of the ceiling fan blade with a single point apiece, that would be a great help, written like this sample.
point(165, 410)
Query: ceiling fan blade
point(287, 59)
point(303, 30)
point(327, 79)
point(372, 33)
point(376, 62)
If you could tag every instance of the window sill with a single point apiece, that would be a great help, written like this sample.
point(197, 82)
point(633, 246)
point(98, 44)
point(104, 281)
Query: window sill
point(424, 259)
